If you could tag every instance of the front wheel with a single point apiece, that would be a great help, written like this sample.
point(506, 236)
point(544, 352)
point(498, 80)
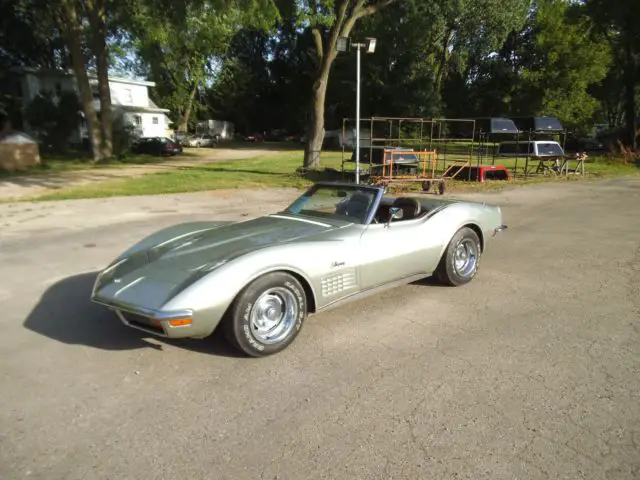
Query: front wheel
point(459, 264)
point(267, 315)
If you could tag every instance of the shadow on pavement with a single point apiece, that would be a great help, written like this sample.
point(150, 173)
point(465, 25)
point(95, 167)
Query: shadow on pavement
point(430, 282)
point(66, 314)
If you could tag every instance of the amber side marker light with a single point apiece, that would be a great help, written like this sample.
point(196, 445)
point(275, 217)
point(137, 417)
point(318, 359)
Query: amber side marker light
point(180, 322)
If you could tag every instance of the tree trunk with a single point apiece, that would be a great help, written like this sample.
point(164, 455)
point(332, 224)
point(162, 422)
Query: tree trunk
point(184, 118)
point(444, 58)
point(630, 98)
point(315, 132)
point(97, 17)
point(347, 13)
point(70, 26)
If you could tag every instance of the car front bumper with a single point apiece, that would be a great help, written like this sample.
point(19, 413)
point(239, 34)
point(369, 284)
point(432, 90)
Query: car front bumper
point(499, 229)
point(177, 324)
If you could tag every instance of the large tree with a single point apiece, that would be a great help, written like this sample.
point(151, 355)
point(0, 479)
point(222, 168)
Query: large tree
point(179, 42)
point(618, 20)
point(563, 60)
point(328, 20)
point(70, 22)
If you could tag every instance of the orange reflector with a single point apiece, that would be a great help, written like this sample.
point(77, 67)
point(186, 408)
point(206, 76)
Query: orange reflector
point(180, 322)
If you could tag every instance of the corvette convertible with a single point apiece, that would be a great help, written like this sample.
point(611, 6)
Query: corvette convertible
point(259, 279)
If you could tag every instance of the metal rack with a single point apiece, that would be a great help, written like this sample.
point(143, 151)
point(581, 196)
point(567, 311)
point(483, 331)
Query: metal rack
point(448, 137)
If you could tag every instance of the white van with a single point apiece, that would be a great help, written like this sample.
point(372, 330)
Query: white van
point(531, 148)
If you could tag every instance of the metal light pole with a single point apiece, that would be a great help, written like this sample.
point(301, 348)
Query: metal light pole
point(370, 46)
point(357, 45)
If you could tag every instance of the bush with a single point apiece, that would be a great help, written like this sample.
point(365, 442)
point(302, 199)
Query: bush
point(123, 136)
point(54, 120)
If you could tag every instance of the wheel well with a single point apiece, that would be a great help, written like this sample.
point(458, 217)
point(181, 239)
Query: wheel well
point(308, 291)
point(478, 231)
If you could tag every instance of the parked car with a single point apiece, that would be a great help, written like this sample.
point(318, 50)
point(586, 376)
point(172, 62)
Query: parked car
point(202, 140)
point(157, 146)
point(260, 278)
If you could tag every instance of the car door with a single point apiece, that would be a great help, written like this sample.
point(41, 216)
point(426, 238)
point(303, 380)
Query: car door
point(394, 251)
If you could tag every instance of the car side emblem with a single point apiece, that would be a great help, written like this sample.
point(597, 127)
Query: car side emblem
point(117, 280)
point(337, 264)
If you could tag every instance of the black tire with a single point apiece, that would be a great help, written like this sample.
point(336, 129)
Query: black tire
point(447, 271)
point(243, 332)
point(426, 186)
point(442, 187)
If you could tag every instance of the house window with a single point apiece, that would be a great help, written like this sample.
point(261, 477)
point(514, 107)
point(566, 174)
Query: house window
point(127, 96)
point(155, 120)
point(138, 120)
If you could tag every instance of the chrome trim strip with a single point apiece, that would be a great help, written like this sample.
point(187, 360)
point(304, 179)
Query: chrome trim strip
point(301, 220)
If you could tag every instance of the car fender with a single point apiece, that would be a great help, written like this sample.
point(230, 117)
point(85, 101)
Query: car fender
point(453, 217)
point(214, 291)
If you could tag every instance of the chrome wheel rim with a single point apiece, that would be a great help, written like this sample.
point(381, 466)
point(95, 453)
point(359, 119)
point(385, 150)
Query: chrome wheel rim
point(274, 315)
point(465, 257)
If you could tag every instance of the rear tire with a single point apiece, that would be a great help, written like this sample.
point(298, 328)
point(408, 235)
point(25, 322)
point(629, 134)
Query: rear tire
point(267, 315)
point(459, 263)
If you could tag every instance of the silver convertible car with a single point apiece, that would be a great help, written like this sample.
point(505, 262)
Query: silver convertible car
point(259, 279)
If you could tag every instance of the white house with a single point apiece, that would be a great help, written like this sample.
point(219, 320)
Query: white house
point(129, 98)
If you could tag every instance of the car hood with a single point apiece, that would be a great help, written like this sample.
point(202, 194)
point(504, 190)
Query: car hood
point(151, 275)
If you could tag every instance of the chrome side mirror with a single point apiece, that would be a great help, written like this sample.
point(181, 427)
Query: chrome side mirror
point(395, 213)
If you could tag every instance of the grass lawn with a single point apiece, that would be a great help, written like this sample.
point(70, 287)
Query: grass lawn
point(279, 170)
point(78, 161)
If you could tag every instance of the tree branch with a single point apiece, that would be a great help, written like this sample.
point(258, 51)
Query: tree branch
point(372, 8)
point(317, 40)
point(341, 14)
point(360, 10)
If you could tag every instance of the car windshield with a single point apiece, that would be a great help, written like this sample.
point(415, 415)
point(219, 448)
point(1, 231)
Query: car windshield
point(551, 148)
point(347, 203)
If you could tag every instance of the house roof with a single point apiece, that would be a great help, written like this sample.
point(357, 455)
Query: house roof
point(15, 136)
point(142, 109)
point(69, 73)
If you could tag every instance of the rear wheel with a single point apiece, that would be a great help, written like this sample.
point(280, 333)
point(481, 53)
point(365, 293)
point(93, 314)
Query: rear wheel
point(459, 264)
point(267, 315)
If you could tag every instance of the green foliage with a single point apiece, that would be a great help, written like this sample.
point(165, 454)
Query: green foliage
point(179, 43)
point(54, 119)
point(254, 62)
point(399, 78)
point(29, 36)
point(563, 60)
point(617, 21)
point(123, 135)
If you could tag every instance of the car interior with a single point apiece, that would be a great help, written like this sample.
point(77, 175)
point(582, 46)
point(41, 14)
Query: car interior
point(358, 206)
point(410, 207)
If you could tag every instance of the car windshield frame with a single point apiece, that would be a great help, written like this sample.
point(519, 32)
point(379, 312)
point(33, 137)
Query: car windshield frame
point(338, 197)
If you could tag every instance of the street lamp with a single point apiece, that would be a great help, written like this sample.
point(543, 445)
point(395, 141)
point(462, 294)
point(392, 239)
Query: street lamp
point(343, 45)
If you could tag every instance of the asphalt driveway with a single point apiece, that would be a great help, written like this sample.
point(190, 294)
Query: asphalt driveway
point(532, 371)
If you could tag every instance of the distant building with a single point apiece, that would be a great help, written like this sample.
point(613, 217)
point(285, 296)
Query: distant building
point(222, 129)
point(129, 98)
